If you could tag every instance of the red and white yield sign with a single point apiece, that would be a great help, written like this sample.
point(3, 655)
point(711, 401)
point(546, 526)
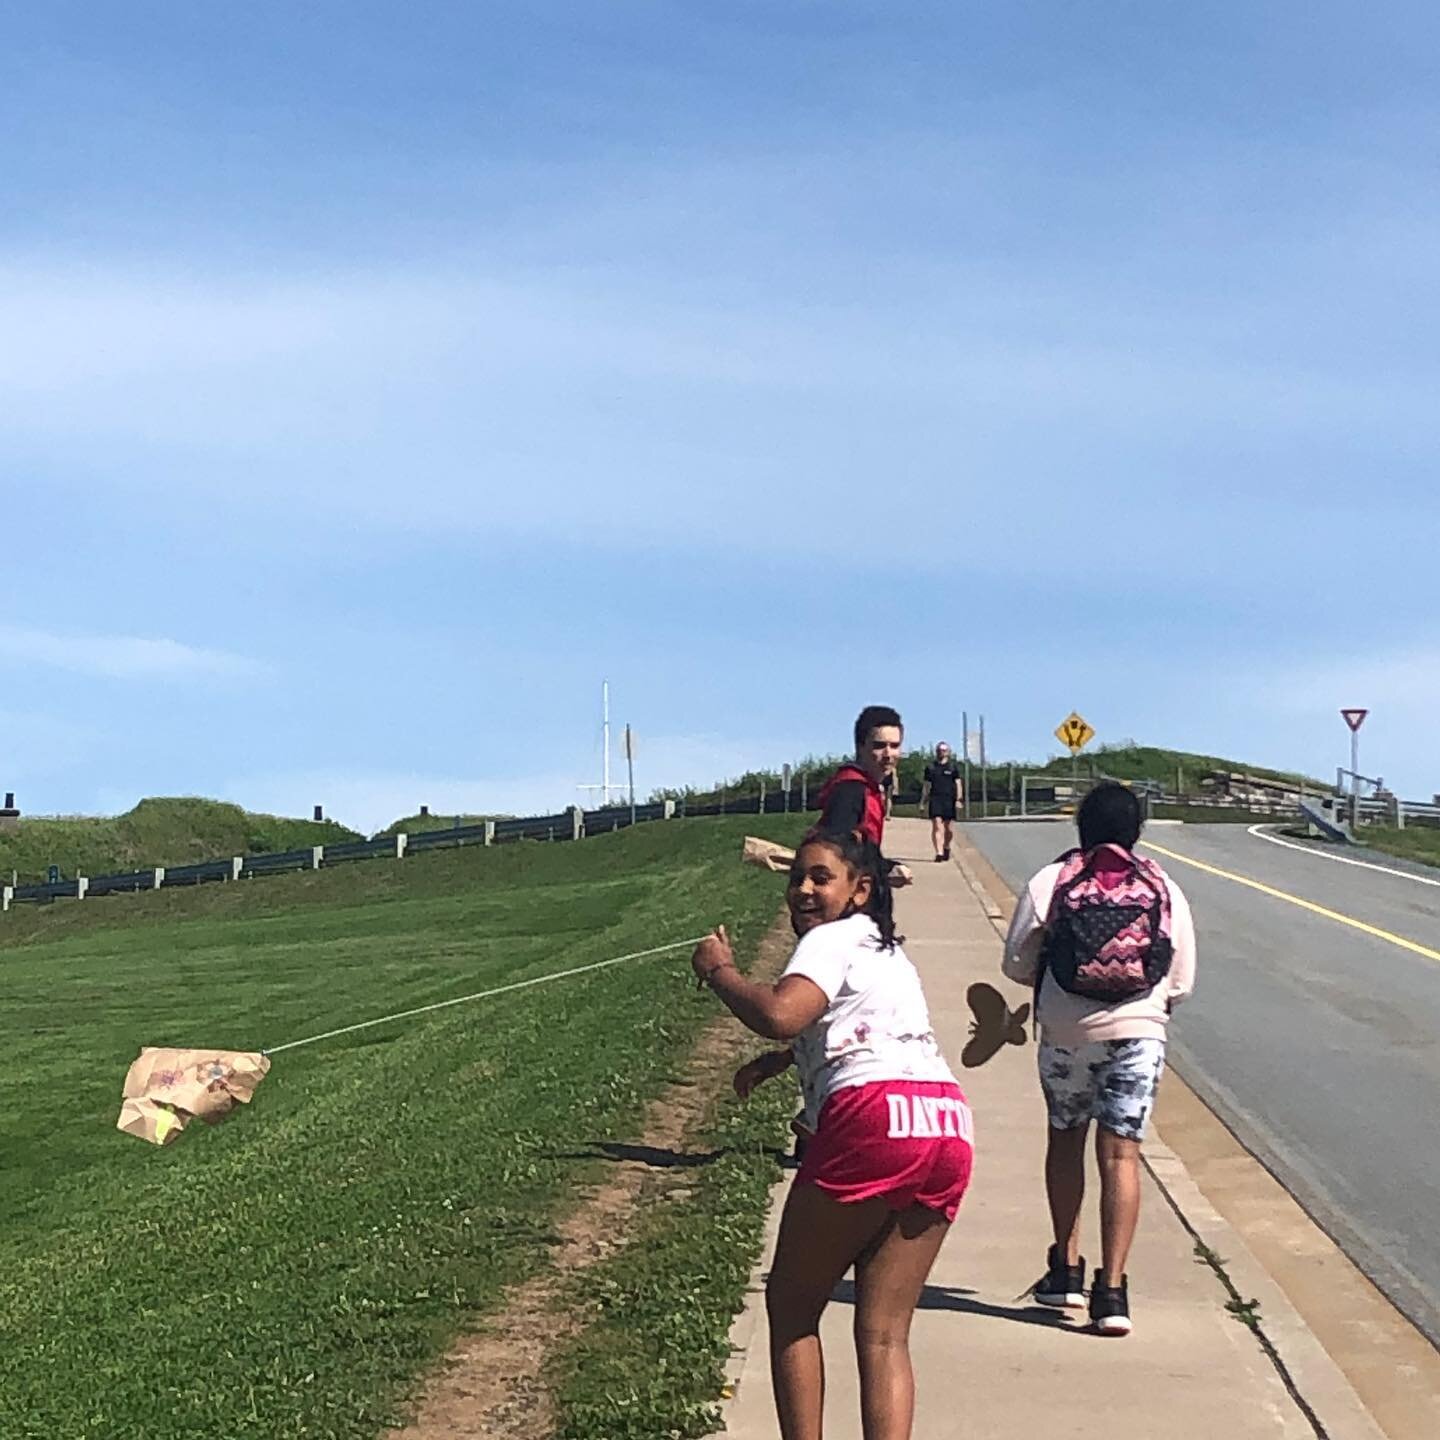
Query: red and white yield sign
point(1354, 718)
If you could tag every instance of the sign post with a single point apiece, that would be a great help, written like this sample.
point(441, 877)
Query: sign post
point(965, 756)
point(984, 775)
point(630, 766)
point(1354, 718)
point(785, 780)
point(1074, 733)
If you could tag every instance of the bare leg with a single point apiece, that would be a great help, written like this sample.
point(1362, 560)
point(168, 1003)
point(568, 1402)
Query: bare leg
point(1119, 1200)
point(949, 835)
point(888, 1280)
point(935, 827)
point(819, 1240)
point(1065, 1187)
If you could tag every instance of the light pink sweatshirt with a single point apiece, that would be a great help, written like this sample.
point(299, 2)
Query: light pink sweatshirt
point(1070, 1020)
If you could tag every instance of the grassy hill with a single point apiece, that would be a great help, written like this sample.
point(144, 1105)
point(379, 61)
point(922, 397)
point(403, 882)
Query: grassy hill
point(420, 824)
point(1126, 761)
point(155, 832)
point(311, 1256)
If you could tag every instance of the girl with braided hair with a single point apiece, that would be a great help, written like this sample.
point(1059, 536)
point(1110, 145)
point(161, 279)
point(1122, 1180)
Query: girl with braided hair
point(890, 1160)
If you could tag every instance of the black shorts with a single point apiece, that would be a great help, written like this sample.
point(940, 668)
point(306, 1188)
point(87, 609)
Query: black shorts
point(942, 809)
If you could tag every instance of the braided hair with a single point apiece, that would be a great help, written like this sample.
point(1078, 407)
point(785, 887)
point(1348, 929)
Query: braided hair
point(864, 858)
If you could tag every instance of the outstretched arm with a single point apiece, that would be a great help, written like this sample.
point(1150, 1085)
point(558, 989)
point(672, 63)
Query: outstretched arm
point(778, 1012)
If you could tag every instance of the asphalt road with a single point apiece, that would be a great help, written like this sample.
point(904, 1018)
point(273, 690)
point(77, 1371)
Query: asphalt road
point(1317, 1042)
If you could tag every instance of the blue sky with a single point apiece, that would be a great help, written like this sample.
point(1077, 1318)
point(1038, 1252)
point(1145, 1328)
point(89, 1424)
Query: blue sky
point(376, 379)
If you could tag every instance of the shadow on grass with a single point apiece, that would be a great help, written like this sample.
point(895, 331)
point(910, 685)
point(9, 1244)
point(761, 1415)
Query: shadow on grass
point(656, 1157)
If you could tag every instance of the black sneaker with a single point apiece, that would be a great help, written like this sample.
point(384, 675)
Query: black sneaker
point(939, 859)
point(1062, 1286)
point(1110, 1306)
point(946, 855)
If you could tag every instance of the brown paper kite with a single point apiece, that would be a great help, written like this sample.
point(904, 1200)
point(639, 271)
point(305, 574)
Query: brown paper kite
point(166, 1089)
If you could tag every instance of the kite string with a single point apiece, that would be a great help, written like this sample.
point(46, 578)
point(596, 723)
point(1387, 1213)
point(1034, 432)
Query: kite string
point(482, 995)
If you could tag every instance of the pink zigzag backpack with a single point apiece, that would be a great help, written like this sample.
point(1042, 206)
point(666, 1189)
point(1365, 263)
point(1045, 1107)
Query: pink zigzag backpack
point(1109, 942)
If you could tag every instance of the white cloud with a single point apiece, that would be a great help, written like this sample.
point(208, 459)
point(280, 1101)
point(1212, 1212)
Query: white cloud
point(125, 657)
point(444, 398)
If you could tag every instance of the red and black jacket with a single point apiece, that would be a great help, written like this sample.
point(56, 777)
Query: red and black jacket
point(851, 800)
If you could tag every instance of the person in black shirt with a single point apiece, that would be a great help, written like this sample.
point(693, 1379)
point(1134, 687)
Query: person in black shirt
point(941, 796)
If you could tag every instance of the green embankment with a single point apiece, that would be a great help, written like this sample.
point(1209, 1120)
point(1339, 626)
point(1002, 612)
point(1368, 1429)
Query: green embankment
point(1414, 842)
point(1124, 762)
point(292, 1271)
point(155, 832)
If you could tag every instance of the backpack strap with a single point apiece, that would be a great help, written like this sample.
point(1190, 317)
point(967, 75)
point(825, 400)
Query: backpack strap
point(1041, 967)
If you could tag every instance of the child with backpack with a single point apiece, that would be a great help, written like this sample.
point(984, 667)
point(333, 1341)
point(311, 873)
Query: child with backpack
point(892, 1150)
point(1106, 938)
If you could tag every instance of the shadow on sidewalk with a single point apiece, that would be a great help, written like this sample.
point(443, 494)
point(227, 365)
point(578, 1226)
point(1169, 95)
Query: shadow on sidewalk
point(994, 1027)
point(950, 1297)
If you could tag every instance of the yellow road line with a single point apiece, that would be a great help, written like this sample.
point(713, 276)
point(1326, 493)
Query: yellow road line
point(1412, 945)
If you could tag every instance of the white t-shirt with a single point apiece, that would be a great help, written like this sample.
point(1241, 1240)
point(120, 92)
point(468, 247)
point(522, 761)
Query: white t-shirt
point(876, 1026)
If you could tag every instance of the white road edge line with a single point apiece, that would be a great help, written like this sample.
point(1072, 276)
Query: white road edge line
point(1258, 831)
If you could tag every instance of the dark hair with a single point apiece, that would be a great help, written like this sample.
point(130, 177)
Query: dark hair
point(1109, 815)
point(864, 858)
point(872, 717)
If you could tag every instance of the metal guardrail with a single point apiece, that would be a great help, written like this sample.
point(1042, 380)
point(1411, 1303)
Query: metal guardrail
point(574, 824)
point(201, 872)
point(362, 849)
point(280, 862)
point(567, 825)
point(456, 835)
point(130, 883)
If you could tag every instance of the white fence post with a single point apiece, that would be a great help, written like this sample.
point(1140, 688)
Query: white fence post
point(317, 854)
point(159, 879)
point(489, 832)
point(81, 886)
point(400, 843)
point(669, 809)
point(237, 864)
point(7, 894)
point(577, 822)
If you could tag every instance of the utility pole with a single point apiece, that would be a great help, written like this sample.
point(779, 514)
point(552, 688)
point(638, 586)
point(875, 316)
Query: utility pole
point(965, 751)
point(605, 722)
point(630, 765)
point(984, 775)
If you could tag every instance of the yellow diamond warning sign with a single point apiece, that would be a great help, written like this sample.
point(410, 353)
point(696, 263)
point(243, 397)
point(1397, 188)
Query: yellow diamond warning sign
point(1074, 733)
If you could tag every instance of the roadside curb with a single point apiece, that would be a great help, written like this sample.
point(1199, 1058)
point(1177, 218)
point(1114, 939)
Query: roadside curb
point(1314, 1380)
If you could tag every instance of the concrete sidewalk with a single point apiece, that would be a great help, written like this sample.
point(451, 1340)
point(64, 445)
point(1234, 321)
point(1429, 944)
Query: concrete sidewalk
point(988, 1364)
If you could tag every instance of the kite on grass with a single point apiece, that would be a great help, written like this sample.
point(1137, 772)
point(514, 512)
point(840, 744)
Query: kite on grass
point(166, 1089)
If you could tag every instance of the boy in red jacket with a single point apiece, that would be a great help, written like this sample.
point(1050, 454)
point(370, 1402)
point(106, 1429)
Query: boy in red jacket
point(853, 799)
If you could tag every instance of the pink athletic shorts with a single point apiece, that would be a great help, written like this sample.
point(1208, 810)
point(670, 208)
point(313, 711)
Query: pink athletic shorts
point(910, 1141)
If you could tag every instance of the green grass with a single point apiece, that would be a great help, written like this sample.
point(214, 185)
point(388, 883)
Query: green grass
point(1129, 761)
point(1123, 761)
point(421, 824)
point(291, 1271)
point(1215, 815)
point(652, 1361)
point(1414, 842)
point(155, 832)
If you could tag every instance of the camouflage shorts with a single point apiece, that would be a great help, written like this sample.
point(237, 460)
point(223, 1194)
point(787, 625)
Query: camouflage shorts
point(1112, 1082)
